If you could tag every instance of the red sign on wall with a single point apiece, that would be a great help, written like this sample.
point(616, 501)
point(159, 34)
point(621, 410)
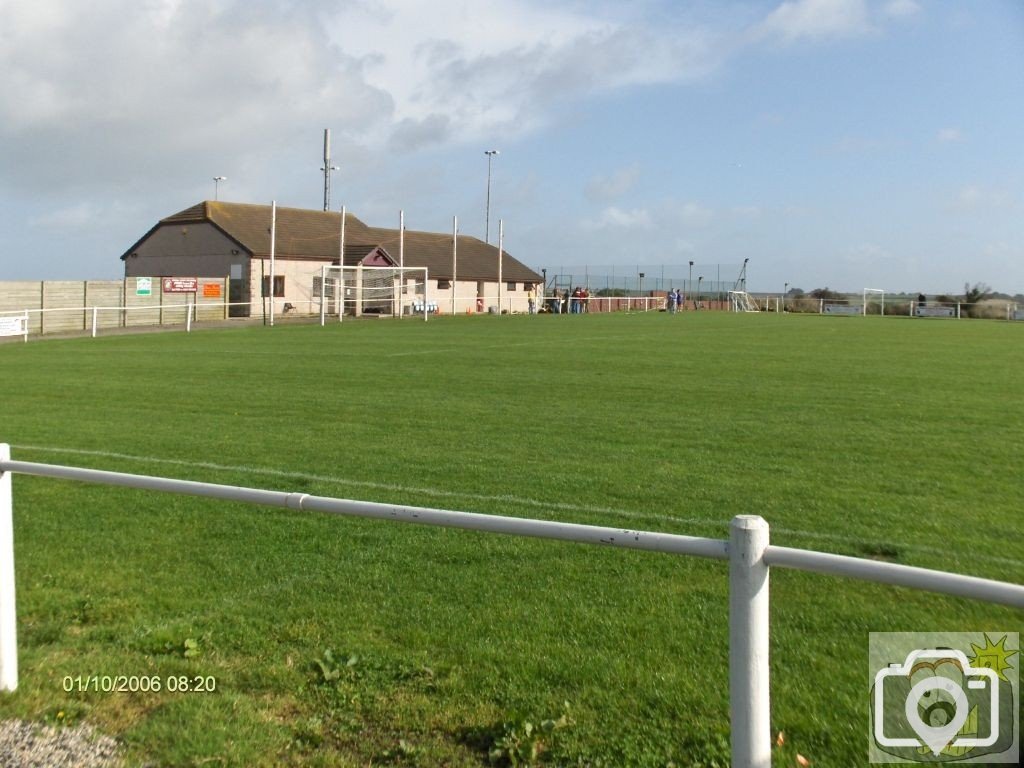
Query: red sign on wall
point(181, 284)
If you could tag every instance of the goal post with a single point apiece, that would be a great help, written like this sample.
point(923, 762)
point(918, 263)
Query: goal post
point(741, 301)
point(374, 291)
point(878, 291)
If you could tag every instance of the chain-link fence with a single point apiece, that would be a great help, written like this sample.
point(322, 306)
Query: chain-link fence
point(710, 282)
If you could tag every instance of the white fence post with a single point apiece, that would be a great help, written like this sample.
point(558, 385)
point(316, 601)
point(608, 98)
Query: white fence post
point(748, 643)
point(8, 634)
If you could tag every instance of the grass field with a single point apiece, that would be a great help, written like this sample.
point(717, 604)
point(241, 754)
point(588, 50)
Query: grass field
point(352, 642)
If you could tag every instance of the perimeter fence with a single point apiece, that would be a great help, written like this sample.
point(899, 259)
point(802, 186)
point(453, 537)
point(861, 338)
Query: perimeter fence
point(748, 552)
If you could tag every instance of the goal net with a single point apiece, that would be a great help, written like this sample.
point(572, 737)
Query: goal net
point(874, 292)
point(741, 301)
point(379, 291)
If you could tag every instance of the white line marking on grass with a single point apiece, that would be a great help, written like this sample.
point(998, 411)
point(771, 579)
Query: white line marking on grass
point(718, 527)
point(434, 492)
point(559, 340)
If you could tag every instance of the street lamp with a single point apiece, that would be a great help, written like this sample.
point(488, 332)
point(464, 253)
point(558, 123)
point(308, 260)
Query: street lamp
point(785, 293)
point(689, 283)
point(216, 185)
point(487, 226)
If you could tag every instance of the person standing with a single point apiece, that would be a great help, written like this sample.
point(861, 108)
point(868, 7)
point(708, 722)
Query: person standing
point(670, 302)
point(531, 300)
point(679, 298)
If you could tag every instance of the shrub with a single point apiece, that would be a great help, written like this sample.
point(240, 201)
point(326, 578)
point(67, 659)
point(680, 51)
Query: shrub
point(991, 309)
point(893, 308)
point(811, 306)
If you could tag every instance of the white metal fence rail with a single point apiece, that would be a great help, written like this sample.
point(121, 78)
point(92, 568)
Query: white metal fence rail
point(747, 550)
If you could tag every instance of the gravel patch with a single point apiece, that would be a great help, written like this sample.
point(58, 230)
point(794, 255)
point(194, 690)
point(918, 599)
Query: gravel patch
point(31, 745)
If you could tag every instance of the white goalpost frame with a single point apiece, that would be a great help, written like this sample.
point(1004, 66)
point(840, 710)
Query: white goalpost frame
point(394, 292)
point(880, 291)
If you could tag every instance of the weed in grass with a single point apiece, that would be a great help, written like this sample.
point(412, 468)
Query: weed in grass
point(403, 753)
point(518, 740)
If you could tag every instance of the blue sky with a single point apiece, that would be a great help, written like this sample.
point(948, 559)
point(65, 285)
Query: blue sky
point(839, 143)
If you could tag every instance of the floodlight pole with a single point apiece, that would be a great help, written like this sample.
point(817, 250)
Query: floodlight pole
point(339, 299)
point(455, 256)
point(327, 169)
point(501, 239)
point(323, 294)
point(401, 261)
point(487, 216)
point(273, 245)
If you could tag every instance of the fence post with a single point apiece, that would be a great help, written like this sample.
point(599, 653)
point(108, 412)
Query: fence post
point(8, 635)
point(748, 643)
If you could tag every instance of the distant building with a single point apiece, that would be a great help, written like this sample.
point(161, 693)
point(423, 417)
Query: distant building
point(232, 240)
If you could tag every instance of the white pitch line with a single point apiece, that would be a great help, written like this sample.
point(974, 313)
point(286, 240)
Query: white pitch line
point(719, 527)
point(434, 492)
point(532, 343)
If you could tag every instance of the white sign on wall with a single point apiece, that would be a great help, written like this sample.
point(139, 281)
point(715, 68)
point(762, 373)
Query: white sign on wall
point(14, 326)
point(143, 286)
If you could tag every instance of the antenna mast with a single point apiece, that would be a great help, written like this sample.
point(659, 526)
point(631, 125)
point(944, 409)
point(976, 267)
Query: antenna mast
point(327, 169)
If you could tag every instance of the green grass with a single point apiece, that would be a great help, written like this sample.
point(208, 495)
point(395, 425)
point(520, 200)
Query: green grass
point(353, 642)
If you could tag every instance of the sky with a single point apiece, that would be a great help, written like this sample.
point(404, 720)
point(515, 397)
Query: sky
point(833, 143)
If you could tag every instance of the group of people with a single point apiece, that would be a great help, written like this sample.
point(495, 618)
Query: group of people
point(575, 303)
point(674, 300)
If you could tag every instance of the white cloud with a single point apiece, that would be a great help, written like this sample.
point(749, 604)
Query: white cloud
point(614, 185)
point(92, 90)
point(95, 93)
point(617, 218)
point(747, 211)
point(949, 136)
point(501, 69)
point(901, 9)
point(816, 19)
point(973, 198)
point(694, 214)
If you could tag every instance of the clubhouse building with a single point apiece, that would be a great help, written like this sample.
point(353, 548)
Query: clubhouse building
point(232, 242)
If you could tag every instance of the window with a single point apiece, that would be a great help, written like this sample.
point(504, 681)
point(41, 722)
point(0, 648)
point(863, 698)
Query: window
point(444, 285)
point(510, 286)
point(278, 286)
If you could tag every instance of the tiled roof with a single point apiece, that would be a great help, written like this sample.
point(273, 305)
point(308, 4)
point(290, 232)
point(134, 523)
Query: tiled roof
point(307, 234)
point(300, 233)
point(475, 259)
